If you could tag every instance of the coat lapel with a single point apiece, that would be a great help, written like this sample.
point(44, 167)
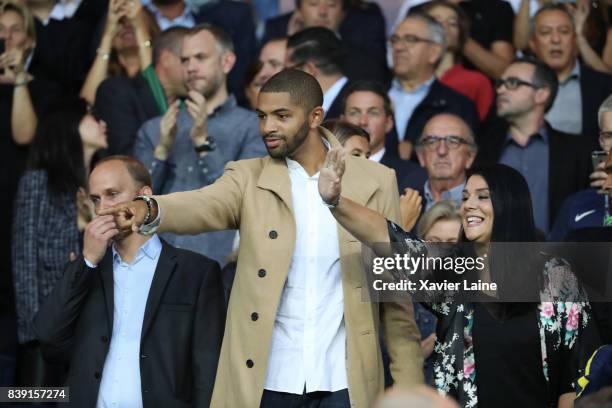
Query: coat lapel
point(275, 178)
point(163, 272)
point(108, 288)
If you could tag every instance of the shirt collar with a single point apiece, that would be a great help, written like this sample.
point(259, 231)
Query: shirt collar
point(397, 86)
point(333, 92)
point(377, 157)
point(542, 133)
point(575, 74)
point(293, 165)
point(63, 9)
point(188, 13)
point(452, 194)
point(151, 249)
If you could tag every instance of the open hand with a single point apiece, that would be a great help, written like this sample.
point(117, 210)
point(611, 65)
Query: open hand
point(330, 176)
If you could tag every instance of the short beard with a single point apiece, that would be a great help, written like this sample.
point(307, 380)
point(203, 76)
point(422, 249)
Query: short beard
point(290, 147)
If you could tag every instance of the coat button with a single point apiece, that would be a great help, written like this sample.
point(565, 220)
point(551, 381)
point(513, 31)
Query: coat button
point(254, 316)
point(97, 375)
point(250, 363)
point(104, 339)
point(261, 273)
point(273, 234)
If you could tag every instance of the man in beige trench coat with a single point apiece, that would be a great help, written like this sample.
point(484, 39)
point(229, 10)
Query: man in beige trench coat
point(298, 332)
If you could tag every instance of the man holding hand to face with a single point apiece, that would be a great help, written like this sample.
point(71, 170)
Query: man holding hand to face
point(188, 147)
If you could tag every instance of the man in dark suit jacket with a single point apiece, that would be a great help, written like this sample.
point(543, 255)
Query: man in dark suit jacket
point(141, 323)
point(581, 89)
point(418, 44)
point(126, 103)
point(361, 28)
point(553, 163)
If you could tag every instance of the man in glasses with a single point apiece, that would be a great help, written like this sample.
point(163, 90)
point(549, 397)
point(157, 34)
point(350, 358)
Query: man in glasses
point(418, 45)
point(590, 207)
point(446, 149)
point(554, 164)
point(581, 90)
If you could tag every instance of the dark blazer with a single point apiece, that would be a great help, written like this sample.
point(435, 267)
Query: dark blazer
point(408, 173)
point(363, 35)
point(569, 161)
point(181, 335)
point(336, 109)
point(440, 99)
point(595, 87)
point(124, 104)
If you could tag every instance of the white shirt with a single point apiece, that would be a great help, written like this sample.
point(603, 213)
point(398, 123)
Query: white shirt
point(332, 93)
point(120, 386)
point(63, 9)
point(533, 6)
point(309, 336)
point(377, 157)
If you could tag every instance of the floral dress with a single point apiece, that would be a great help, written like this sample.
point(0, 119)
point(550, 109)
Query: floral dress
point(560, 324)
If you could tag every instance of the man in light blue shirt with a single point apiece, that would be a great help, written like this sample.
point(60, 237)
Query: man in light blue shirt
point(141, 322)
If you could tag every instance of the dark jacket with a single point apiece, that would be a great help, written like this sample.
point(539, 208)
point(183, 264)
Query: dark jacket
point(595, 87)
point(363, 35)
point(569, 161)
point(182, 329)
point(124, 104)
point(440, 99)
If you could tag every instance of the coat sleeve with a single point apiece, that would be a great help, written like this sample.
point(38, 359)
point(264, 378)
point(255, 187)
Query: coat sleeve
point(208, 335)
point(55, 322)
point(25, 254)
point(401, 334)
point(212, 208)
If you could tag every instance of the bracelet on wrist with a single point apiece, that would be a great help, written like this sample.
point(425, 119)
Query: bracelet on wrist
point(21, 83)
point(145, 44)
point(147, 200)
point(103, 54)
point(333, 205)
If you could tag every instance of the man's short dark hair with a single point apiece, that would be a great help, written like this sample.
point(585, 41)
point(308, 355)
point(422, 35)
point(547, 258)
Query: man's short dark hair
point(368, 86)
point(139, 173)
point(543, 77)
point(170, 40)
point(302, 87)
point(224, 41)
point(318, 45)
point(345, 4)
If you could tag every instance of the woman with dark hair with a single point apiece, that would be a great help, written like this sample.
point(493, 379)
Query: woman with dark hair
point(51, 210)
point(489, 353)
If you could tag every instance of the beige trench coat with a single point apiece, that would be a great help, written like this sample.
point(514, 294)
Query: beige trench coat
point(254, 196)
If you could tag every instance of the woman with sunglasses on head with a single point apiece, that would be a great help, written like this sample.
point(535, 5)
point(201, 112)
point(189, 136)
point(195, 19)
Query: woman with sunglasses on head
point(51, 210)
point(491, 354)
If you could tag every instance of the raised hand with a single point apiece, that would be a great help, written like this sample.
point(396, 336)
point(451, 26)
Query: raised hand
point(197, 108)
point(167, 132)
point(410, 208)
point(98, 234)
point(330, 176)
point(13, 63)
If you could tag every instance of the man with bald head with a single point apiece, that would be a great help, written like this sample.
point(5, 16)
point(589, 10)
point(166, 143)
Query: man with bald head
point(446, 149)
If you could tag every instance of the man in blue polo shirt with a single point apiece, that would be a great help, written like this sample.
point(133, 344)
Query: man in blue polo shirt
point(590, 207)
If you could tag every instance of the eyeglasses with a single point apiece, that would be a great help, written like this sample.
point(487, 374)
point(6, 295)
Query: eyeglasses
point(452, 142)
point(408, 39)
point(605, 134)
point(513, 83)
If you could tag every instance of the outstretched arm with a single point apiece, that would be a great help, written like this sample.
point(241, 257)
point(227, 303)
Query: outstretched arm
point(366, 225)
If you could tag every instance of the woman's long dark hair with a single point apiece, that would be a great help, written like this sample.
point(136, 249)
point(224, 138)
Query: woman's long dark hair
point(57, 147)
point(515, 267)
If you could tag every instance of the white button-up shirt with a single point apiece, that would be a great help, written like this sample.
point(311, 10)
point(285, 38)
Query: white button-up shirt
point(120, 385)
point(308, 350)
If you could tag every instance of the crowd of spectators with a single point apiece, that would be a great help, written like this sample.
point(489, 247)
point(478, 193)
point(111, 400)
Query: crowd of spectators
point(445, 85)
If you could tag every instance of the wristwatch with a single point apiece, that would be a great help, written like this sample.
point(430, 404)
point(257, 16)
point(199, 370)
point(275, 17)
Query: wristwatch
point(208, 146)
